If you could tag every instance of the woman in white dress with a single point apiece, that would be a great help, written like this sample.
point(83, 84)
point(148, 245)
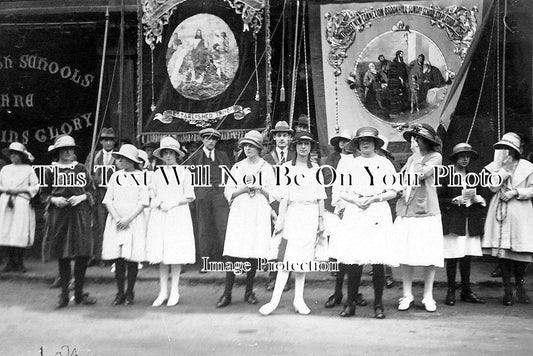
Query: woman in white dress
point(300, 220)
point(508, 228)
point(248, 230)
point(463, 216)
point(18, 184)
point(365, 235)
point(418, 222)
point(124, 239)
point(170, 237)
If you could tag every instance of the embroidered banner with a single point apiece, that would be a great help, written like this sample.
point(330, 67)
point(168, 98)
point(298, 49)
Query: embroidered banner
point(47, 86)
point(388, 65)
point(204, 69)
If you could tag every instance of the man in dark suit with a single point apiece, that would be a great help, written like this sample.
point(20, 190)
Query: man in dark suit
point(102, 157)
point(282, 134)
point(211, 206)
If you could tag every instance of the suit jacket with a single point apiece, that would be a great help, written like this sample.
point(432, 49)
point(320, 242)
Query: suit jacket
point(273, 159)
point(199, 158)
point(97, 176)
point(454, 217)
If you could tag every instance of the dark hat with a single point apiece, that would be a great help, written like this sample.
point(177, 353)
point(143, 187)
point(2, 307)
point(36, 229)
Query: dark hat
point(303, 120)
point(107, 133)
point(463, 147)
point(367, 132)
point(302, 136)
point(282, 126)
point(424, 131)
point(209, 132)
point(153, 145)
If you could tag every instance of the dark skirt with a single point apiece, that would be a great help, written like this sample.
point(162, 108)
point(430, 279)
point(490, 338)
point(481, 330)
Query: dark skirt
point(68, 232)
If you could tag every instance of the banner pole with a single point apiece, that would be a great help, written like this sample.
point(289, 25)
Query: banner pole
point(97, 116)
point(121, 83)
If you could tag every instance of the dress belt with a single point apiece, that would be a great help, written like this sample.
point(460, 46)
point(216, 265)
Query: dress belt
point(303, 202)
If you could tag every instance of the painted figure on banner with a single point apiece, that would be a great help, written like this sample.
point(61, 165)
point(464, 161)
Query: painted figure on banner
point(385, 88)
point(202, 57)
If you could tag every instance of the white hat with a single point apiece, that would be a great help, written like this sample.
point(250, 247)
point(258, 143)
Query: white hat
point(509, 140)
point(345, 134)
point(19, 147)
point(62, 141)
point(169, 143)
point(128, 151)
point(143, 156)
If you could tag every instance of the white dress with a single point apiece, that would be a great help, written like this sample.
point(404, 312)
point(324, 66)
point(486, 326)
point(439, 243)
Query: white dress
point(249, 229)
point(17, 224)
point(366, 235)
point(125, 195)
point(170, 237)
point(301, 219)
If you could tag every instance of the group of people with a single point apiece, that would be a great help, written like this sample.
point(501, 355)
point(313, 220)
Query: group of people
point(251, 216)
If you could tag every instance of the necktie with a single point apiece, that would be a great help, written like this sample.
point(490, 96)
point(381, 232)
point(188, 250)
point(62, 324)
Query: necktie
point(282, 157)
point(210, 155)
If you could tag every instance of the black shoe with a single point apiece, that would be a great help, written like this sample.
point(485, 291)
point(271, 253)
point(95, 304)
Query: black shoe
point(270, 285)
point(130, 296)
point(333, 301)
point(379, 312)
point(389, 282)
point(471, 297)
point(56, 283)
point(361, 301)
point(62, 301)
point(85, 299)
point(94, 262)
point(349, 310)
point(450, 297)
point(250, 298)
point(119, 299)
point(497, 273)
point(507, 299)
point(521, 295)
point(224, 301)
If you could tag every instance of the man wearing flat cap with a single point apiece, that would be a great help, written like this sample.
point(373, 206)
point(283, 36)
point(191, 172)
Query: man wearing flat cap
point(102, 157)
point(211, 206)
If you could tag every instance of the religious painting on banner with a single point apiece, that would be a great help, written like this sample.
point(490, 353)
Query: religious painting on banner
point(48, 86)
point(208, 68)
point(390, 65)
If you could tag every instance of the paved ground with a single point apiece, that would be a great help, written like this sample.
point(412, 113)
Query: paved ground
point(29, 322)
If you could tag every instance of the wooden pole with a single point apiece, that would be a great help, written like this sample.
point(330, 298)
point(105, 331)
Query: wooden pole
point(121, 82)
point(96, 131)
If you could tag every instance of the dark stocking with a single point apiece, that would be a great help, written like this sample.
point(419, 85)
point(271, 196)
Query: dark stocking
point(378, 279)
point(120, 275)
point(250, 275)
point(80, 267)
point(133, 270)
point(354, 273)
point(451, 272)
point(339, 279)
point(64, 274)
point(464, 268)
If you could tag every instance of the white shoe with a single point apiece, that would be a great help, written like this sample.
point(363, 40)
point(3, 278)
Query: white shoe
point(173, 300)
point(160, 300)
point(268, 308)
point(300, 307)
point(406, 303)
point(430, 305)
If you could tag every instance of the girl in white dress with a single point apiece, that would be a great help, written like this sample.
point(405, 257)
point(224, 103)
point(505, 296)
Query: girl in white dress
point(18, 184)
point(300, 219)
point(248, 230)
point(124, 239)
point(365, 236)
point(170, 237)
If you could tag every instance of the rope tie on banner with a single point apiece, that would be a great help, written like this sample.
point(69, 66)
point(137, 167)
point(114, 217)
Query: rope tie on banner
point(282, 66)
point(482, 81)
point(337, 127)
point(152, 107)
point(256, 72)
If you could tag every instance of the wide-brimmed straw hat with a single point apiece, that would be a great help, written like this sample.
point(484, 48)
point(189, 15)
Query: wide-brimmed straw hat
point(282, 126)
point(62, 141)
point(169, 143)
point(367, 132)
point(108, 133)
point(463, 147)
point(345, 134)
point(209, 132)
point(509, 140)
point(128, 151)
point(20, 148)
point(424, 131)
point(254, 138)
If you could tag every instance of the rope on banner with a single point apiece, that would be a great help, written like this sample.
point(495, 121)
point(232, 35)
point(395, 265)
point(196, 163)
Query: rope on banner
point(498, 68)
point(282, 66)
point(483, 80)
point(152, 107)
point(304, 38)
point(295, 61)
